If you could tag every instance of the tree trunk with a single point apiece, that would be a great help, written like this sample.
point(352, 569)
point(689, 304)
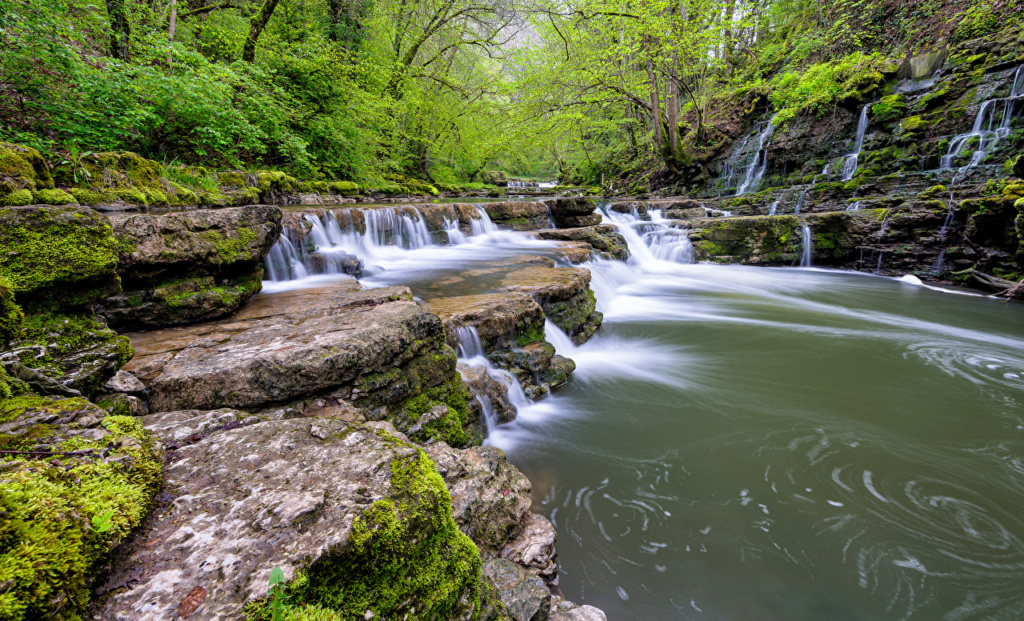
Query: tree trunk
point(672, 112)
point(170, 30)
point(655, 106)
point(120, 30)
point(256, 26)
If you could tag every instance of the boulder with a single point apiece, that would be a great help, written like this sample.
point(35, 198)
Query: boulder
point(519, 215)
point(571, 222)
point(88, 483)
point(562, 610)
point(490, 498)
point(66, 354)
point(58, 257)
point(375, 349)
point(524, 595)
point(183, 268)
point(534, 547)
point(747, 239)
point(357, 519)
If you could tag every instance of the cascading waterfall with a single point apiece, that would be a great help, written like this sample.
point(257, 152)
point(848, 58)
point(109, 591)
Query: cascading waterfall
point(806, 242)
point(471, 353)
point(329, 243)
point(854, 207)
point(650, 241)
point(755, 170)
point(850, 163)
point(985, 129)
point(800, 202)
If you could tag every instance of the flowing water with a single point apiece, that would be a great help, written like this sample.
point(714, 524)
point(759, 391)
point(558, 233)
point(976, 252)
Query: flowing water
point(850, 161)
point(744, 443)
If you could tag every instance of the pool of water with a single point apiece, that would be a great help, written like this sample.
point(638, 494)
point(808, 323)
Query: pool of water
point(744, 443)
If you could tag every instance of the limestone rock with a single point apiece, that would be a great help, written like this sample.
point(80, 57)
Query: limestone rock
point(319, 499)
point(492, 393)
point(534, 547)
point(490, 498)
point(375, 349)
point(87, 467)
point(125, 382)
point(192, 266)
point(524, 595)
point(176, 429)
point(562, 610)
point(603, 238)
point(58, 256)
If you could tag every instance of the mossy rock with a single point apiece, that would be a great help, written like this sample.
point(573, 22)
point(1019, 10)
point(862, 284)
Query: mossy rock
point(344, 188)
point(109, 169)
point(54, 197)
point(181, 302)
point(889, 109)
point(10, 313)
point(22, 168)
point(1018, 166)
point(60, 517)
point(77, 350)
point(932, 192)
point(17, 198)
point(66, 255)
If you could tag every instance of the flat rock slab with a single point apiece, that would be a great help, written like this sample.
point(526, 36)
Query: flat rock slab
point(246, 500)
point(284, 346)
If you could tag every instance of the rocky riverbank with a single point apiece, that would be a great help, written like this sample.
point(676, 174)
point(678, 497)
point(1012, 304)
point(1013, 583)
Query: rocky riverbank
point(327, 431)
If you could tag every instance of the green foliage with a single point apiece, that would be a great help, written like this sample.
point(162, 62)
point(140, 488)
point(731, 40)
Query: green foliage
point(817, 88)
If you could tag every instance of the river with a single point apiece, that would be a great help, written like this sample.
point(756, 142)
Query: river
point(744, 443)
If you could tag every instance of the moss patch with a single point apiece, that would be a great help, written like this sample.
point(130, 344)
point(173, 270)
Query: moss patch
point(406, 558)
point(60, 517)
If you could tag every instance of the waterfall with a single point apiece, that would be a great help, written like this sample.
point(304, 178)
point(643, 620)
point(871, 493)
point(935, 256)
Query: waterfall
point(774, 207)
point(483, 224)
point(854, 207)
point(805, 255)
point(650, 241)
point(455, 234)
point(285, 260)
point(755, 171)
point(471, 353)
point(850, 164)
point(985, 129)
point(948, 220)
point(800, 202)
point(551, 218)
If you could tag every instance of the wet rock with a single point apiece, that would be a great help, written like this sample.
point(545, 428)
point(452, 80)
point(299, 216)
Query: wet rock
point(603, 238)
point(126, 383)
point(374, 349)
point(491, 392)
point(518, 215)
point(534, 547)
point(490, 498)
point(77, 351)
point(122, 404)
point(558, 371)
point(562, 610)
point(175, 429)
point(325, 500)
point(1018, 166)
point(572, 222)
point(188, 267)
point(748, 240)
point(524, 595)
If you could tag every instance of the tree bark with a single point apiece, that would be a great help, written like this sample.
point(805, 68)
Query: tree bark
point(120, 30)
point(655, 106)
point(170, 30)
point(256, 25)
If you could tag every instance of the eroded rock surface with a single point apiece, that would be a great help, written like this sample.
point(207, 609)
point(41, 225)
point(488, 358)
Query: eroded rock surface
point(188, 267)
point(320, 498)
point(375, 349)
point(603, 238)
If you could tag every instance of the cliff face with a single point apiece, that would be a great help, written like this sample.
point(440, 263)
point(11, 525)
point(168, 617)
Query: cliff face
point(920, 159)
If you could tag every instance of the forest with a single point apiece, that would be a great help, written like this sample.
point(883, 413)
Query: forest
point(592, 92)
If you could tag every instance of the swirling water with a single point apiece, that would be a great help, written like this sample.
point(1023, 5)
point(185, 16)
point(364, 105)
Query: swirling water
point(749, 443)
point(745, 443)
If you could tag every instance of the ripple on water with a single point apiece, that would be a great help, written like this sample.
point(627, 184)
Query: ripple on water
point(981, 365)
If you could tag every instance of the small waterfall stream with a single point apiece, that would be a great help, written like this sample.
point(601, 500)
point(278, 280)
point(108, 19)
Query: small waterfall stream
point(991, 124)
point(806, 242)
point(755, 170)
point(850, 162)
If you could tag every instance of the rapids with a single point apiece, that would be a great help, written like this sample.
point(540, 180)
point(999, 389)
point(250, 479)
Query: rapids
point(765, 443)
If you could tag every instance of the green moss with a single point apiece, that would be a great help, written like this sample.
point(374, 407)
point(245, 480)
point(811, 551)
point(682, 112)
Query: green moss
point(54, 197)
point(66, 254)
point(406, 558)
point(11, 316)
point(22, 168)
point(17, 198)
point(573, 313)
point(49, 551)
point(932, 192)
point(56, 344)
point(231, 248)
point(345, 188)
point(889, 108)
